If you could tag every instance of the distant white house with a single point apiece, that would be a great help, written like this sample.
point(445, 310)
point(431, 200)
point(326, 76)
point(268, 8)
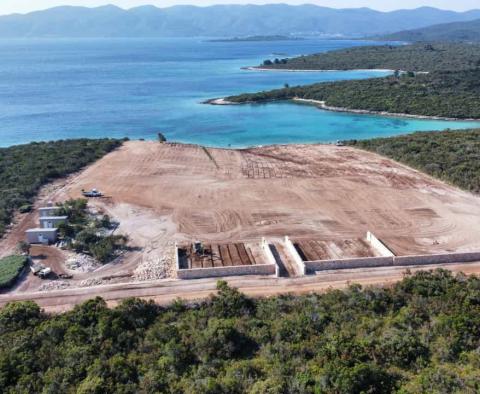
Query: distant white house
point(47, 233)
point(47, 211)
point(41, 235)
point(52, 221)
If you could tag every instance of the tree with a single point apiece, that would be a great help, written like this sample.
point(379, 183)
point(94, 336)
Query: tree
point(23, 247)
point(19, 316)
point(161, 138)
point(106, 222)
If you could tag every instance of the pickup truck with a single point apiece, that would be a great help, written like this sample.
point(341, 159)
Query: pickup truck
point(92, 193)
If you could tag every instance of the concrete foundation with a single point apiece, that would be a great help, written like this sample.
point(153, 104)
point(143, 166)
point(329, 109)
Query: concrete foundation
point(269, 268)
point(378, 246)
point(399, 261)
point(386, 259)
point(198, 273)
point(301, 269)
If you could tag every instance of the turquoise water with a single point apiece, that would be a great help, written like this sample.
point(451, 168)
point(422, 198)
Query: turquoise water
point(124, 87)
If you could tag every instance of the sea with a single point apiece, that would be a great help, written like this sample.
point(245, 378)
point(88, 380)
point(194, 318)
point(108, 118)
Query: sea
point(54, 89)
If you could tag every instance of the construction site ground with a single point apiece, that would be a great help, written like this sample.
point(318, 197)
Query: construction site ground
point(167, 193)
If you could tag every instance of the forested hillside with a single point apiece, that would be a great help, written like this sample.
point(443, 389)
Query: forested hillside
point(416, 57)
point(448, 94)
point(452, 156)
point(223, 20)
point(25, 168)
point(457, 31)
point(420, 336)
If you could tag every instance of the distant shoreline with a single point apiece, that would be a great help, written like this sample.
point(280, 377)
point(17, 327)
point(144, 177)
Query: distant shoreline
point(272, 38)
point(324, 106)
point(256, 68)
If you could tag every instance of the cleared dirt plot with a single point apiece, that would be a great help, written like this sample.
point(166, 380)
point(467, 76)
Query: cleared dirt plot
point(186, 192)
point(166, 193)
point(314, 250)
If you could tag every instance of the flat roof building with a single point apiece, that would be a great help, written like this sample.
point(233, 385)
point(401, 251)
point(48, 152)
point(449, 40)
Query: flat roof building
point(47, 211)
point(52, 221)
point(41, 235)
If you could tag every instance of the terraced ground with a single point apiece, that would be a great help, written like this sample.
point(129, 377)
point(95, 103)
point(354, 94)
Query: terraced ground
point(317, 192)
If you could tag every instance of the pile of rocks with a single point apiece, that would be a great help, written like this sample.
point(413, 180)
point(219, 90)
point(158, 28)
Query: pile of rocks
point(155, 265)
point(55, 285)
point(81, 263)
point(91, 282)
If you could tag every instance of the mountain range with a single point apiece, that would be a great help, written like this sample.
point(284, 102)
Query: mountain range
point(221, 21)
point(456, 31)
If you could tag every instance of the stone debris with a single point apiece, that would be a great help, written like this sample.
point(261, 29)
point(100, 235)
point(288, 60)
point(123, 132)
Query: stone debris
point(91, 282)
point(157, 266)
point(54, 285)
point(81, 263)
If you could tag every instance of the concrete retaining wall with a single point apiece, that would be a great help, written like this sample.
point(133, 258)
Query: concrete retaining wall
point(365, 262)
point(301, 270)
point(269, 256)
point(197, 273)
point(444, 258)
point(398, 261)
point(271, 268)
point(378, 245)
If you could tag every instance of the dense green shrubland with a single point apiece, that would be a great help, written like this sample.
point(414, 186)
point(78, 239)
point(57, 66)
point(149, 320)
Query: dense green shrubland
point(452, 156)
point(25, 168)
point(452, 94)
point(463, 31)
point(10, 268)
point(416, 57)
point(420, 336)
point(87, 233)
point(450, 89)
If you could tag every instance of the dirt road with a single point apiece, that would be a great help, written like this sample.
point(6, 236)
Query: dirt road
point(166, 291)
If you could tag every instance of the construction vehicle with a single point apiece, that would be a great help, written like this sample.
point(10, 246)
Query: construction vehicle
point(198, 247)
point(40, 270)
point(92, 193)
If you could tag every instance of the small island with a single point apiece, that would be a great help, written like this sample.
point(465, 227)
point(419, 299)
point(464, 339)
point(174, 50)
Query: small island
point(258, 38)
point(441, 83)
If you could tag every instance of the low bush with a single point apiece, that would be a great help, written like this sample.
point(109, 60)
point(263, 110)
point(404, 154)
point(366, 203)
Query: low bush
point(86, 233)
point(10, 268)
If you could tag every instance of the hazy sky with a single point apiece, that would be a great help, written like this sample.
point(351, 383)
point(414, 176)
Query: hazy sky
point(11, 6)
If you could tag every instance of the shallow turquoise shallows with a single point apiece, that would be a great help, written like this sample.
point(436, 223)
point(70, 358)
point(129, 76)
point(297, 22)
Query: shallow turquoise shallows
point(53, 89)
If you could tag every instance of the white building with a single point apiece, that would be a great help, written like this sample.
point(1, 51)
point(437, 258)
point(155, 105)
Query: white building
point(41, 235)
point(52, 221)
point(47, 211)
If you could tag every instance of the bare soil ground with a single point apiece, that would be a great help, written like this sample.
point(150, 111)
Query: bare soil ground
point(312, 250)
point(314, 191)
point(162, 193)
